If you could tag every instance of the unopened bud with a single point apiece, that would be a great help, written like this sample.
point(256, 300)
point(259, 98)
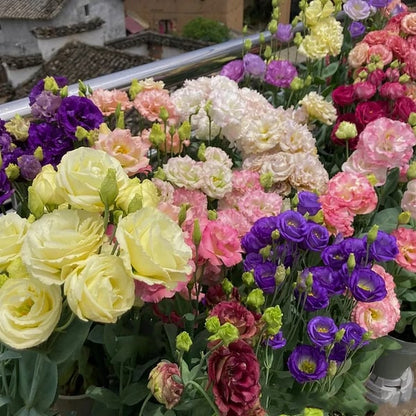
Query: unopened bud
point(268, 52)
point(12, 171)
point(201, 152)
point(273, 26)
point(247, 44)
point(81, 133)
point(212, 215)
point(227, 286)
point(182, 213)
point(262, 39)
point(196, 233)
point(35, 203)
point(157, 136)
point(351, 263)
point(266, 180)
point(296, 84)
point(298, 39)
point(255, 299)
point(163, 114)
point(309, 280)
point(332, 368)
point(405, 78)
point(38, 153)
point(412, 119)
point(109, 188)
point(275, 234)
point(50, 85)
point(272, 316)
point(339, 335)
point(411, 171)
point(134, 89)
point(184, 131)
point(212, 324)
point(280, 274)
point(372, 234)
point(183, 342)
point(346, 130)
point(248, 278)
point(404, 218)
point(265, 251)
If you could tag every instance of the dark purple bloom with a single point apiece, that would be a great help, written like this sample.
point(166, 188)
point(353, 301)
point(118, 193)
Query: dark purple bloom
point(284, 32)
point(45, 105)
point(379, 3)
point(52, 140)
point(233, 70)
point(264, 276)
point(29, 166)
point(330, 279)
point(38, 88)
point(254, 65)
point(277, 341)
point(5, 187)
point(322, 330)
point(292, 226)
point(353, 337)
point(280, 73)
point(317, 236)
point(356, 29)
point(316, 299)
point(308, 203)
point(366, 285)
point(5, 143)
point(252, 260)
point(263, 229)
point(384, 247)
point(307, 363)
point(338, 353)
point(356, 246)
point(251, 244)
point(78, 111)
point(334, 256)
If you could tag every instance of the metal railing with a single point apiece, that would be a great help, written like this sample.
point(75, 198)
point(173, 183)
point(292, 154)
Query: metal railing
point(172, 71)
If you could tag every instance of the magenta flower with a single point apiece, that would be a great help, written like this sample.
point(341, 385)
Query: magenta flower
point(233, 70)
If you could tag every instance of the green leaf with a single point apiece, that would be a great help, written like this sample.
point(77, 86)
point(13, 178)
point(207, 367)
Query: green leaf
point(329, 70)
point(386, 219)
point(185, 373)
point(10, 355)
point(4, 400)
point(103, 395)
point(96, 334)
point(171, 332)
point(134, 393)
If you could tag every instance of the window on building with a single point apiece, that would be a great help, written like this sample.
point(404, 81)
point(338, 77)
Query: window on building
point(87, 10)
point(165, 26)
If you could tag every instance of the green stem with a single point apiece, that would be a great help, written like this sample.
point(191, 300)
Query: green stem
point(66, 324)
point(35, 381)
point(144, 403)
point(120, 388)
point(207, 398)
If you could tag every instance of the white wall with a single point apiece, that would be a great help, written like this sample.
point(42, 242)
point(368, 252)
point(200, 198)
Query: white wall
point(17, 76)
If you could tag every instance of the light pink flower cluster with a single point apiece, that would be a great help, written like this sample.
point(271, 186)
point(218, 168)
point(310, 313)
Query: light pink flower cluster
point(406, 242)
point(347, 195)
point(379, 318)
point(383, 144)
point(130, 151)
point(408, 202)
point(107, 101)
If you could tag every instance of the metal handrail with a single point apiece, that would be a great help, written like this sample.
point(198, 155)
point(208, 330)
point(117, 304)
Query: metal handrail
point(172, 70)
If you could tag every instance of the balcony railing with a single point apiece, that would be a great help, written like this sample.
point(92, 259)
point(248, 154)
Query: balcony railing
point(172, 71)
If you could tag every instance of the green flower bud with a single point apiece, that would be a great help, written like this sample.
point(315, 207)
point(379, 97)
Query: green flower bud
point(135, 204)
point(64, 92)
point(81, 133)
point(404, 218)
point(412, 119)
point(275, 234)
point(346, 130)
point(339, 335)
point(351, 263)
point(276, 13)
point(296, 84)
point(196, 233)
point(50, 85)
point(311, 411)
point(227, 333)
point(163, 114)
point(184, 130)
point(212, 215)
point(266, 180)
point(272, 316)
point(208, 106)
point(248, 278)
point(275, 3)
point(411, 171)
point(212, 324)
point(38, 153)
point(109, 188)
point(160, 174)
point(117, 215)
point(134, 89)
point(404, 78)
point(371, 67)
point(363, 75)
point(255, 299)
point(318, 217)
point(332, 368)
point(17, 269)
point(265, 251)
point(119, 117)
point(280, 274)
point(309, 281)
point(308, 81)
point(18, 127)
point(35, 203)
point(3, 278)
point(227, 286)
point(157, 136)
point(295, 201)
point(394, 64)
point(262, 39)
point(182, 213)
point(247, 44)
point(273, 26)
point(12, 171)
point(298, 39)
point(201, 152)
point(245, 30)
point(367, 336)
point(267, 52)
point(372, 234)
point(183, 342)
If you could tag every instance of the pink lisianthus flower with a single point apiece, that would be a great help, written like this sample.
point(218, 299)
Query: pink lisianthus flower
point(408, 202)
point(406, 242)
point(236, 219)
point(107, 101)
point(149, 103)
point(130, 151)
point(155, 293)
point(220, 244)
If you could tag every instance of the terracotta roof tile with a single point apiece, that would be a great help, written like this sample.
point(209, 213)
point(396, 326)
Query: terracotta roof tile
point(31, 10)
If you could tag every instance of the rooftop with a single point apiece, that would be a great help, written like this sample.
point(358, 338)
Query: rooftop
point(30, 9)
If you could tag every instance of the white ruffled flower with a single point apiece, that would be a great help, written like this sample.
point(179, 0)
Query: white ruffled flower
point(217, 179)
point(184, 172)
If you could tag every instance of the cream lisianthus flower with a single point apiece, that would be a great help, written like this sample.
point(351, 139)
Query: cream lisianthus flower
point(99, 289)
point(45, 186)
point(29, 312)
point(13, 229)
point(81, 174)
point(146, 191)
point(317, 11)
point(319, 109)
point(152, 247)
point(58, 239)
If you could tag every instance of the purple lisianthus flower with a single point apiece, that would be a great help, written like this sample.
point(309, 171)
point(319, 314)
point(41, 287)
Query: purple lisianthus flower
point(264, 276)
point(322, 330)
point(307, 363)
point(292, 226)
point(384, 247)
point(251, 244)
point(330, 279)
point(52, 140)
point(353, 336)
point(38, 88)
point(338, 353)
point(379, 4)
point(313, 298)
point(276, 341)
point(45, 105)
point(334, 256)
point(233, 70)
point(5, 187)
point(254, 65)
point(251, 261)
point(357, 9)
point(308, 203)
point(356, 29)
point(29, 166)
point(5, 143)
point(280, 73)
point(317, 236)
point(263, 229)
point(78, 111)
point(356, 246)
point(366, 285)
point(284, 32)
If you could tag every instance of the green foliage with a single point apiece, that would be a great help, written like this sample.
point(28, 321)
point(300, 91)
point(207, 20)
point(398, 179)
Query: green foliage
point(207, 30)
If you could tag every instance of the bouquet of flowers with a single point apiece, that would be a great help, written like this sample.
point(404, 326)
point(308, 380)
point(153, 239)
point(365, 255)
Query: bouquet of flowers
point(229, 248)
